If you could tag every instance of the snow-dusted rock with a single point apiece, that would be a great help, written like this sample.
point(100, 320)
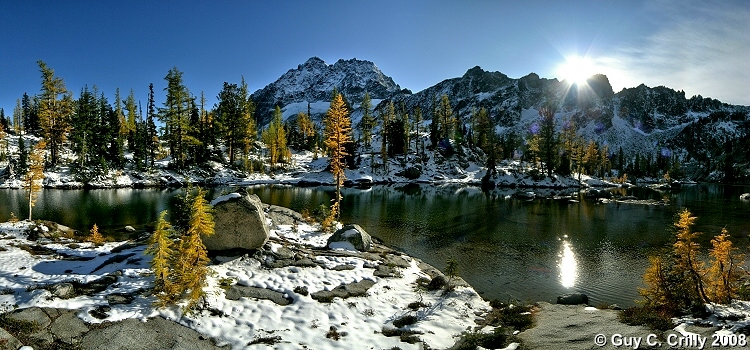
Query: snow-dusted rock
point(353, 234)
point(240, 224)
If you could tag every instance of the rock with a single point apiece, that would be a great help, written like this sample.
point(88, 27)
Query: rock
point(63, 290)
point(236, 292)
point(596, 193)
point(67, 327)
point(573, 299)
point(156, 333)
point(745, 197)
point(8, 341)
point(119, 298)
point(130, 229)
point(32, 314)
point(353, 234)
point(240, 224)
point(355, 289)
point(283, 216)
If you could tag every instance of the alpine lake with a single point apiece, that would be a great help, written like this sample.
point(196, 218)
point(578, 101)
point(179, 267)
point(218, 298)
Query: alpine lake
point(506, 248)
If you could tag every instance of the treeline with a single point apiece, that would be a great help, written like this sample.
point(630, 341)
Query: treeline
point(101, 132)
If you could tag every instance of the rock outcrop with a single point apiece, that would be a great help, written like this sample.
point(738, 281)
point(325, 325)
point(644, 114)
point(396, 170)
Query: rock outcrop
point(240, 224)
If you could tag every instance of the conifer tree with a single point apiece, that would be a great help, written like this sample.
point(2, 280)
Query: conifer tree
point(152, 139)
point(686, 249)
point(17, 117)
point(32, 179)
point(275, 139)
point(95, 237)
point(55, 110)
point(191, 260)
point(160, 247)
point(446, 120)
point(724, 272)
point(548, 140)
point(337, 136)
point(367, 123)
point(23, 157)
point(129, 126)
point(176, 116)
point(30, 114)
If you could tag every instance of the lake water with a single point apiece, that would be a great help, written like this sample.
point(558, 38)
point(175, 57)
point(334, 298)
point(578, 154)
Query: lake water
point(506, 248)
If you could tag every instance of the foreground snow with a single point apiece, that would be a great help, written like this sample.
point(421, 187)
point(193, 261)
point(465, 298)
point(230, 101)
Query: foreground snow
point(305, 323)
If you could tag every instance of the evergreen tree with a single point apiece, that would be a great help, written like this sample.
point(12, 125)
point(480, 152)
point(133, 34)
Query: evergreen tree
point(83, 123)
point(387, 118)
point(30, 115)
point(23, 157)
point(32, 179)
point(129, 126)
point(152, 138)
point(17, 117)
point(337, 136)
point(548, 140)
point(367, 123)
point(176, 116)
point(55, 110)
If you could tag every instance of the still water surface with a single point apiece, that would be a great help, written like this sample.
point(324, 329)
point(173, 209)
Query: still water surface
point(506, 248)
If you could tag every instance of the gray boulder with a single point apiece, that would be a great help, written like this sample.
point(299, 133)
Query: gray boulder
point(240, 224)
point(573, 299)
point(354, 234)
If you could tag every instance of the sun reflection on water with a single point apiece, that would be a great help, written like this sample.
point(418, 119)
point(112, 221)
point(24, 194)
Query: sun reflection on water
point(568, 266)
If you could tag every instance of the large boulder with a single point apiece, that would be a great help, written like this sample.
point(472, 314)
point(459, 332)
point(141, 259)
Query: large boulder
point(573, 299)
point(240, 223)
point(352, 234)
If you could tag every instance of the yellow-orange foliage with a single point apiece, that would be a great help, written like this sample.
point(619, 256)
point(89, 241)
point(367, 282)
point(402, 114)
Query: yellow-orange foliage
point(31, 181)
point(337, 136)
point(723, 274)
point(95, 237)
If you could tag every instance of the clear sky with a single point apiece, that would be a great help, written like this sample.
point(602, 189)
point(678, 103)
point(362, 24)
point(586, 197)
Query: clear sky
point(701, 47)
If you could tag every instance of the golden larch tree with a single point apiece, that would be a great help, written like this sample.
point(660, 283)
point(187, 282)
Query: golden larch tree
point(337, 136)
point(191, 256)
point(96, 236)
point(686, 249)
point(160, 247)
point(32, 179)
point(724, 272)
point(55, 110)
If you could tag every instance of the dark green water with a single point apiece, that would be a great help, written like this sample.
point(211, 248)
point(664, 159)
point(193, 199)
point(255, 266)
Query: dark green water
point(506, 248)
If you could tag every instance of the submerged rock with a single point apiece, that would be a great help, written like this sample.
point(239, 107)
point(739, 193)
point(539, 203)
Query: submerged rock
point(240, 224)
point(573, 299)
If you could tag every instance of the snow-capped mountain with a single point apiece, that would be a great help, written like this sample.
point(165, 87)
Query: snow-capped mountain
point(313, 82)
point(641, 120)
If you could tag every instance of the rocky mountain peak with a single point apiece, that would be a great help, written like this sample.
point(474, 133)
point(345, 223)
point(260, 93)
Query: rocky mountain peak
point(313, 82)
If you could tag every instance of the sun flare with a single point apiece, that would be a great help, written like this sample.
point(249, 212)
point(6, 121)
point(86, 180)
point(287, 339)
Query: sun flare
point(576, 69)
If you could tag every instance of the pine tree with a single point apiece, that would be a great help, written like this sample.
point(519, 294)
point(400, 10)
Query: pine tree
point(23, 157)
point(724, 273)
point(30, 114)
point(95, 237)
point(129, 126)
point(160, 247)
point(446, 120)
point(55, 110)
point(32, 179)
point(337, 136)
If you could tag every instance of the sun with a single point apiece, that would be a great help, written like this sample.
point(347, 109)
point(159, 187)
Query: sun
point(576, 69)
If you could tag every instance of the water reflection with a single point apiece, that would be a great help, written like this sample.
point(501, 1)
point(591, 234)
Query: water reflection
point(568, 266)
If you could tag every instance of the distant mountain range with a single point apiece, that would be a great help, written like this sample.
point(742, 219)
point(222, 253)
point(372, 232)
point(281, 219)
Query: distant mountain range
point(640, 120)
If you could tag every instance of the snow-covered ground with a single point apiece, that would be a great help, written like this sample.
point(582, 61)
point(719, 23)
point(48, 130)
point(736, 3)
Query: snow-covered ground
point(26, 278)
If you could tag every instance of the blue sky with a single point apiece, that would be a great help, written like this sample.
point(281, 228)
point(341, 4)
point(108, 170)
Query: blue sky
point(701, 47)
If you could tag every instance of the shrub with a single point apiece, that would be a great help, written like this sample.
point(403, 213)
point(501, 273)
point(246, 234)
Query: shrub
point(405, 321)
point(659, 318)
